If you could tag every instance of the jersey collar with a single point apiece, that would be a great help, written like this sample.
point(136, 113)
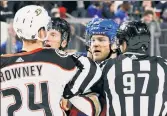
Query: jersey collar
point(134, 53)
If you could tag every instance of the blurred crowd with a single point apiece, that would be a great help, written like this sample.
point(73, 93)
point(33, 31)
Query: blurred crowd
point(154, 13)
point(119, 10)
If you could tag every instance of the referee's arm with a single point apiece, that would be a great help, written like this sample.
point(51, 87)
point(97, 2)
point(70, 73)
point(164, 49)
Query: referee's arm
point(164, 107)
point(84, 79)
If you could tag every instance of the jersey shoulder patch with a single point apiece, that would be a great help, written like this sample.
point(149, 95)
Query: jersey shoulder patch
point(61, 53)
point(76, 55)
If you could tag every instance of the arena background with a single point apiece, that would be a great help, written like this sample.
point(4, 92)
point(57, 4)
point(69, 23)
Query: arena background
point(78, 13)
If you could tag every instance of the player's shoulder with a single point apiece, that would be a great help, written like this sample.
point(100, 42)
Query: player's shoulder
point(50, 53)
point(160, 60)
point(65, 59)
point(56, 52)
point(117, 59)
point(21, 53)
point(56, 56)
point(45, 55)
point(114, 61)
point(85, 62)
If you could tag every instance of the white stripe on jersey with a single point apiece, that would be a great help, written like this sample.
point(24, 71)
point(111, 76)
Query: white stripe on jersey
point(84, 74)
point(164, 113)
point(166, 62)
point(82, 104)
point(133, 53)
point(95, 78)
point(144, 65)
point(85, 61)
point(144, 100)
point(107, 101)
point(115, 101)
point(126, 65)
point(158, 98)
point(129, 106)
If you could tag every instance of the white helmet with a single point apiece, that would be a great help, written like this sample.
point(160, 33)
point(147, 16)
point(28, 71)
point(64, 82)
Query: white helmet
point(29, 19)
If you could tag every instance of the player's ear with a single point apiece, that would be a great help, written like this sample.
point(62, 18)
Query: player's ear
point(123, 46)
point(64, 43)
point(113, 46)
point(42, 33)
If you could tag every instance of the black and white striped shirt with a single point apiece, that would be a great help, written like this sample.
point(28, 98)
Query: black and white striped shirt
point(83, 79)
point(136, 85)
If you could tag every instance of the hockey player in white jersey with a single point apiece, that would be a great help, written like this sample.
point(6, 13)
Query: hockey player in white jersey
point(33, 81)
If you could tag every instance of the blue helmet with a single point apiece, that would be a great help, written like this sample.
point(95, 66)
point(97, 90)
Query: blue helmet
point(100, 26)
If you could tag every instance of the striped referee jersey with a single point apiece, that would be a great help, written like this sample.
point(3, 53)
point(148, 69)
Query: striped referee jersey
point(136, 85)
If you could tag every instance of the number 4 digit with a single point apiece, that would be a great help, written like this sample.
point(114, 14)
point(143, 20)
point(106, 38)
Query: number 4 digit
point(146, 76)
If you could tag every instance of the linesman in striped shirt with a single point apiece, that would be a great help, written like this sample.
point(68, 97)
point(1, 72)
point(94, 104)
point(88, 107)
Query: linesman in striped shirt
point(100, 35)
point(135, 83)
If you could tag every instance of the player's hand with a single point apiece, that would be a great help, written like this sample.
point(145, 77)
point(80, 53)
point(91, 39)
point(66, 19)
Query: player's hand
point(65, 104)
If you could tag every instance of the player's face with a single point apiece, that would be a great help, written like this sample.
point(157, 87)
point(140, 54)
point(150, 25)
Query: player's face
point(100, 47)
point(148, 18)
point(54, 39)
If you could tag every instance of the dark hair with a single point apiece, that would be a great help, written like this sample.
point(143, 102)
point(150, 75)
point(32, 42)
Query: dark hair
point(147, 12)
point(63, 27)
point(125, 5)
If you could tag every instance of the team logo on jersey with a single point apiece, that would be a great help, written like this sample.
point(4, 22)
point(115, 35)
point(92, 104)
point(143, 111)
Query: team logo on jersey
point(76, 56)
point(19, 60)
point(61, 53)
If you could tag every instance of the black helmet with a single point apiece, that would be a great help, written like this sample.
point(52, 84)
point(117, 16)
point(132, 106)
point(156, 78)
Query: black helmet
point(63, 27)
point(135, 33)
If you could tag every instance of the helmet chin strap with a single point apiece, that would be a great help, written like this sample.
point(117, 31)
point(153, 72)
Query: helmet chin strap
point(61, 48)
point(117, 51)
point(111, 51)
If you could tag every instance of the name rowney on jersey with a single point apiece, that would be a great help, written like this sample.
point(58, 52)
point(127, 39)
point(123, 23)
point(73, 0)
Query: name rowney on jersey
point(16, 73)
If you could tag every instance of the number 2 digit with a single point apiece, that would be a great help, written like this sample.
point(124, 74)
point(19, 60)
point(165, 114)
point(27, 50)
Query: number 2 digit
point(14, 92)
point(44, 105)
